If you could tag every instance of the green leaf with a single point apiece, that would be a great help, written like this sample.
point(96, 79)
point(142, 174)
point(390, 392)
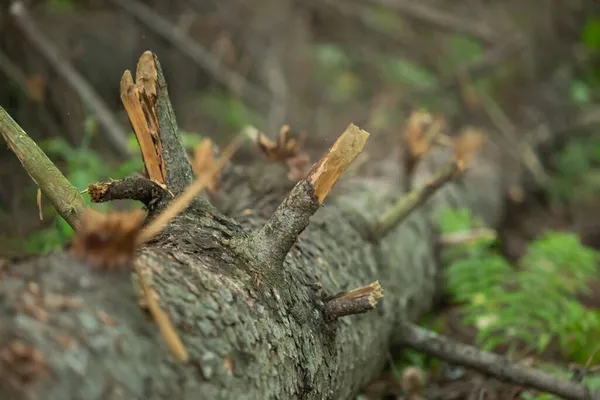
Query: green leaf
point(404, 72)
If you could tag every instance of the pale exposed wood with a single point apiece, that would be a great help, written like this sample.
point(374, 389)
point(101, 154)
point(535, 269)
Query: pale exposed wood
point(339, 157)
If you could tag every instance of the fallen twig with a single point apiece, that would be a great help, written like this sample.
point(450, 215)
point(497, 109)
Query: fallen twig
point(499, 367)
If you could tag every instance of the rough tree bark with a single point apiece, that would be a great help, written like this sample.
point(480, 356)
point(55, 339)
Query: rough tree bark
point(253, 330)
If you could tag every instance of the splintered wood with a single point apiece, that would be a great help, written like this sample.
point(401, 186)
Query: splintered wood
point(162, 319)
point(422, 131)
point(139, 99)
point(466, 146)
point(338, 158)
point(286, 149)
point(107, 241)
point(203, 162)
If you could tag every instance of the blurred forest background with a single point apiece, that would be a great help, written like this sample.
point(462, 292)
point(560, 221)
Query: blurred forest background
point(527, 72)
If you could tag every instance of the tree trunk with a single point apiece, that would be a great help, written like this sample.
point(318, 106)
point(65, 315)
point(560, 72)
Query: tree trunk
point(251, 334)
point(250, 313)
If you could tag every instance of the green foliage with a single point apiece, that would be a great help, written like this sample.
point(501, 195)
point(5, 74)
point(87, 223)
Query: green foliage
point(62, 5)
point(461, 49)
point(401, 71)
point(228, 110)
point(335, 71)
point(577, 166)
point(534, 303)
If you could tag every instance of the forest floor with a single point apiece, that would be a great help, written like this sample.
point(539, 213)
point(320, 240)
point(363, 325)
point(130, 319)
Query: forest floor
point(523, 223)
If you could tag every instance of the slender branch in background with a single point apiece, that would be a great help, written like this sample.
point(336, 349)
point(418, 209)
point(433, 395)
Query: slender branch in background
point(115, 132)
point(463, 237)
point(435, 345)
point(525, 153)
point(415, 198)
point(65, 197)
point(271, 244)
point(439, 19)
point(230, 79)
point(13, 73)
point(464, 148)
point(357, 301)
point(474, 69)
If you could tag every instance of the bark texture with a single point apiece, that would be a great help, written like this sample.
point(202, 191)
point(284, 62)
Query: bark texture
point(252, 331)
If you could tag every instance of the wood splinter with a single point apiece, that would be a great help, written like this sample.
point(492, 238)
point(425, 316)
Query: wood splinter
point(356, 301)
point(270, 245)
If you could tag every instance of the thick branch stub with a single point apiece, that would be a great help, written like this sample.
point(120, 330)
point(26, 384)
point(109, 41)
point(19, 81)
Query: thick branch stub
point(270, 245)
point(494, 365)
point(62, 194)
point(357, 301)
point(131, 188)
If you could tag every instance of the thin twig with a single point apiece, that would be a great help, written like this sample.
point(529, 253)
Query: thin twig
point(439, 19)
point(65, 197)
point(115, 132)
point(524, 150)
point(435, 345)
point(415, 198)
point(464, 148)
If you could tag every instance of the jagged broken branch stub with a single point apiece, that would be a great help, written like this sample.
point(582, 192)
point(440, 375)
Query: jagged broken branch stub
point(270, 245)
point(356, 301)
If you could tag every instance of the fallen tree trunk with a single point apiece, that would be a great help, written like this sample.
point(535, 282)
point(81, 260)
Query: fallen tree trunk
point(253, 327)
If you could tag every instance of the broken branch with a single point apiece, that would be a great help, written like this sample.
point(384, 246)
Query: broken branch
point(62, 194)
point(270, 245)
point(356, 301)
point(415, 198)
point(469, 141)
point(67, 72)
point(499, 367)
point(131, 188)
point(153, 119)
